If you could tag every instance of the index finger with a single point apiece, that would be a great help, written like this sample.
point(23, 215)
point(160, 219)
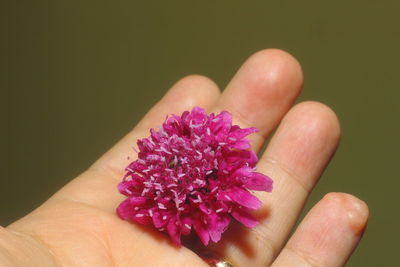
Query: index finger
point(98, 185)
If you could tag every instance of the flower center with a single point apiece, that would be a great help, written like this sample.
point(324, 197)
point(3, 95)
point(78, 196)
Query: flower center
point(180, 169)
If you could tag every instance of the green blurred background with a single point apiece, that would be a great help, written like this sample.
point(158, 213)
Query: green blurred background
point(77, 75)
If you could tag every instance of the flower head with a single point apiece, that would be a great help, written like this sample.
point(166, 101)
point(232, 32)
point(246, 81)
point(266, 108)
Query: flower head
point(195, 172)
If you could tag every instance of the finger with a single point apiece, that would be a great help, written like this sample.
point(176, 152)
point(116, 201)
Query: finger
point(295, 158)
point(98, 185)
point(277, 81)
point(262, 91)
point(328, 234)
point(194, 90)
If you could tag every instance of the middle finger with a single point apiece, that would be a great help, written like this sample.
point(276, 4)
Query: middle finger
point(262, 91)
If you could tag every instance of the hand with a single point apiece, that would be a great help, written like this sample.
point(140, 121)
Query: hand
point(78, 225)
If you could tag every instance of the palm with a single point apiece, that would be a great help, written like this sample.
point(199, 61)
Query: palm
point(78, 225)
point(82, 234)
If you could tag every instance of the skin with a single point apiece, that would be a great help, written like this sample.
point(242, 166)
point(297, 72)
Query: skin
point(78, 226)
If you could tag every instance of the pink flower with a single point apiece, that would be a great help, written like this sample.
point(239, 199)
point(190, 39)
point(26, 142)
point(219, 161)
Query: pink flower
point(194, 172)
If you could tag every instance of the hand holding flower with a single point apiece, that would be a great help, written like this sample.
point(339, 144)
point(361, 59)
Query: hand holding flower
point(78, 225)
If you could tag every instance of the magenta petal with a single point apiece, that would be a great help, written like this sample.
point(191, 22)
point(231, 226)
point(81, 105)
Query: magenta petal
point(258, 181)
point(186, 225)
point(246, 157)
point(123, 187)
point(223, 196)
point(158, 220)
point(244, 198)
point(125, 210)
point(223, 125)
point(244, 217)
point(142, 218)
point(219, 226)
point(137, 201)
point(242, 144)
point(173, 231)
point(252, 158)
point(198, 115)
point(243, 172)
point(201, 232)
point(238, 133)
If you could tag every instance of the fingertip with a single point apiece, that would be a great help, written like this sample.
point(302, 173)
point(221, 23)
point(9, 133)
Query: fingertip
point(276, 70)
point(306, 140)
point(356, 210)
point(263, 89)
point(319, 120)
point(193, 90)
point(278, 60)
point(328, 234)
